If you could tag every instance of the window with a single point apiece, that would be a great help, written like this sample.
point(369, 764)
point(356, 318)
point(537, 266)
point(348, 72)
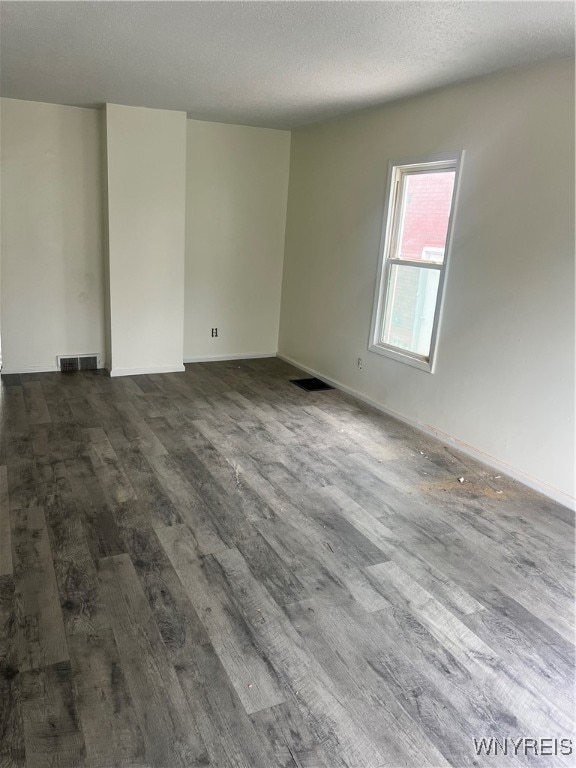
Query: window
point(416, 241)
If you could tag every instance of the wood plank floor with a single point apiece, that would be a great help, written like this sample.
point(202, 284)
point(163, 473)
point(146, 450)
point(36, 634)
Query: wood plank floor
point(216, 568)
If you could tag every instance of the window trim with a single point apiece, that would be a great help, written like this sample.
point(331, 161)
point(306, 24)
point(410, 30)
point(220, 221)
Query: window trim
point(390, 238)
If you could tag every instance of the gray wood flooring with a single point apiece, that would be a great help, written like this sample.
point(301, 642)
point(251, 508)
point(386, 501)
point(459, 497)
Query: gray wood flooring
point(216, 568)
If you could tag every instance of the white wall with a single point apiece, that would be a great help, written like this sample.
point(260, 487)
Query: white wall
point(504, 381)
point(237, 187)
point(146, 160)
point(52, 281)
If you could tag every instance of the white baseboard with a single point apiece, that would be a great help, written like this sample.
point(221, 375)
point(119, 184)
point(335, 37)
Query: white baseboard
point(138, 371)
point(220, 358)
point(31, 369)
point(153, 369)
point(552, 493)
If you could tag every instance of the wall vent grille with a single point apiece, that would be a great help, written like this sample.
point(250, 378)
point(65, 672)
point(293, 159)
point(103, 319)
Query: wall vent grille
point(78, 363)
point(88, 362)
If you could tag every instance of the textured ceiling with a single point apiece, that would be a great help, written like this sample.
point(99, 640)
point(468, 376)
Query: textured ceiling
point(277, 64)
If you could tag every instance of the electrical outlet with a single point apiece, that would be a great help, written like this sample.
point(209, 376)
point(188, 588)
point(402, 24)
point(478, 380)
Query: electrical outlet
point(360, 363)
point(214, 333)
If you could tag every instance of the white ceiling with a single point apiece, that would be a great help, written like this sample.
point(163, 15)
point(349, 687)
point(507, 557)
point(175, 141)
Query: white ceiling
point(276, 64)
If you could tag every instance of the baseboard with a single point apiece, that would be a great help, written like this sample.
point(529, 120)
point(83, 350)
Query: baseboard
point(140, 371)
point(220, 358)
point(30, 369)
point(536, 485)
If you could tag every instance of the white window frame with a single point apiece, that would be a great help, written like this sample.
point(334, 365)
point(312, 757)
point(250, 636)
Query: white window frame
point(389, 242)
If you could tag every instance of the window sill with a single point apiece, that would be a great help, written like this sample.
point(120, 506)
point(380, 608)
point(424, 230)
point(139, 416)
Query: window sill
point(402, 356)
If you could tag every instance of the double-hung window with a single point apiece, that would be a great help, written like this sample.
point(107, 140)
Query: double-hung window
point(415, 249)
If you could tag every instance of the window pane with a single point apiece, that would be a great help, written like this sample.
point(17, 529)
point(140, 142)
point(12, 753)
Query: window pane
point(410, 307)
point(426, 202)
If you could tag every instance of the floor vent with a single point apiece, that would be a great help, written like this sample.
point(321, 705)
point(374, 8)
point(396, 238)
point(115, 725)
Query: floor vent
point(78, 363)
point(311, 385)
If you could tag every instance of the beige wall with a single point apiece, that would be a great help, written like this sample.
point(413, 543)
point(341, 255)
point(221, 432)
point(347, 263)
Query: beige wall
point(51, 242)
point(79, 183)
point(237, 187)
point(146, 162)
point(504, 380)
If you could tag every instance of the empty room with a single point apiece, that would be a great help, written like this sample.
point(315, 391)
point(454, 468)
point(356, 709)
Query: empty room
point(287, 386)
